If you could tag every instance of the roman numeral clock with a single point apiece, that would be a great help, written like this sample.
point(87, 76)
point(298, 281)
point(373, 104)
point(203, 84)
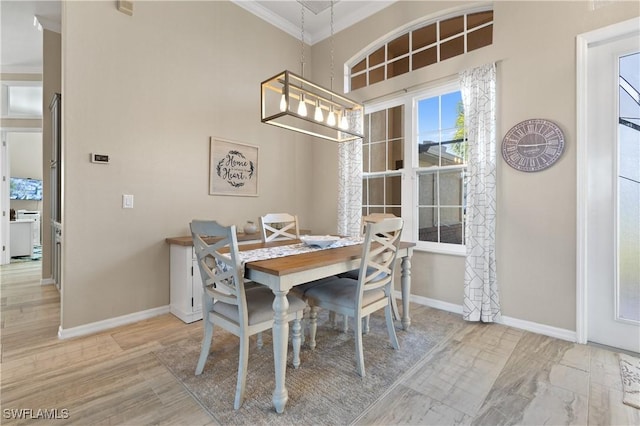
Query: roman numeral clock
point(533, 145)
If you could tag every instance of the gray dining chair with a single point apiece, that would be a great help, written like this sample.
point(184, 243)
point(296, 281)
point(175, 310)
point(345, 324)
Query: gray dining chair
point(354, 274)
point(227, 304)
point(369, 293)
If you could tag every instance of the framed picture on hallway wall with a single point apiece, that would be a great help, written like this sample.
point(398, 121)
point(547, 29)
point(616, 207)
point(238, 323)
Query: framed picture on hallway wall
point(233, 168)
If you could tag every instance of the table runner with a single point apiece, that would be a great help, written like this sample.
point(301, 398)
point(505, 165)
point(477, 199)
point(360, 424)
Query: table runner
point(292, 249)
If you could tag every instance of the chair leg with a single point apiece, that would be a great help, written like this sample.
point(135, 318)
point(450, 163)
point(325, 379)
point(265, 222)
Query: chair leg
point(296, 341)
point(365, 326)
point(259, 341)
point(394, 305)
point(333, 319)
point(206, 346)
point(345, 325)
point(359, 351)
point(391, 328)
point(313, 327)
point(242, 370)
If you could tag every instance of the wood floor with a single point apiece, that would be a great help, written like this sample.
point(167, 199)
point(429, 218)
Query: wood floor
point(481, 375)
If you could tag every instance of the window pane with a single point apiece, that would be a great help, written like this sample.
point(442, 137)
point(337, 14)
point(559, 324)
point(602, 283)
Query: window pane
point(396, 154)
point(360, 66)
point(423, 37)
point(396, 211)
point(376, 191)
point(427, 189)
point(378, 126)
point(479, 38)
point(452, 48)
point(365, 158)
point(398, 47)
point(451, 225)
point(427, 224)
point(365, 191)
point(451, 27)
point(393, 194)
point(378, 152)
point(424, 58)
point(429, 150)
point(396, 122)
point(377, 57)
point(451, 188)
point(401, 66)
point(376, 75)
point(479, 18)
point(358, 81)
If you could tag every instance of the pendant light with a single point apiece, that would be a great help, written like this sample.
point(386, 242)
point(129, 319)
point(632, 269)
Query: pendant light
point(344, 117)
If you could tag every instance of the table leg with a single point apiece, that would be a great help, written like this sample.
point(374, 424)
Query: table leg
point(405, 282)
point(280, 336)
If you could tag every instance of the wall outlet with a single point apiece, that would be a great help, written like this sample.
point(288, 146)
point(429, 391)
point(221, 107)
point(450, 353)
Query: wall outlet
point(127, 201)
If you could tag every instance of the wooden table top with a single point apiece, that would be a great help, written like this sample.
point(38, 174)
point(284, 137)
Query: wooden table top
point(301, 262)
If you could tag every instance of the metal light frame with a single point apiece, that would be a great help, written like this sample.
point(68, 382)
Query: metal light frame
point(291, 88)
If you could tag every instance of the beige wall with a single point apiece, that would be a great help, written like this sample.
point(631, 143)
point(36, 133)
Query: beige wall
point(150, 89)
point(534, 47)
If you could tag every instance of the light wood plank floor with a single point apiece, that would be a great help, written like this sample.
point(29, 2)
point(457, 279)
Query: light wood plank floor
point(481, 375)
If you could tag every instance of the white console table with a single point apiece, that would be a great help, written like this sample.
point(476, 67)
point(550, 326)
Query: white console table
point(21, 237)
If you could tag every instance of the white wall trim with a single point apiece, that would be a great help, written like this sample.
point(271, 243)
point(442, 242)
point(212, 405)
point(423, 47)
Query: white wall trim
point(582, 51)
point(47, 281)
point(110, 323)
point(534, 327)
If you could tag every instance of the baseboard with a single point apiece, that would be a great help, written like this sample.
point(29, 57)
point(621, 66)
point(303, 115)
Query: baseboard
point(534, 327)
point(47, 281)
point(110, 323)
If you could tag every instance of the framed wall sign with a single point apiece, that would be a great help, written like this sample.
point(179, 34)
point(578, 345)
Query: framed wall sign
point(233, 168)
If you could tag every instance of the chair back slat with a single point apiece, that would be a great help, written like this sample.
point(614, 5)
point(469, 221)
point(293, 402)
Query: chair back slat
point(279, 225)
point(379, 254)
point(221, 274)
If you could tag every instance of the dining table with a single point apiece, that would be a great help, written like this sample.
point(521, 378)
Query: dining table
point(280, 274)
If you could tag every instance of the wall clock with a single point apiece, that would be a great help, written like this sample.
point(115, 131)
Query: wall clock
point(533, 145)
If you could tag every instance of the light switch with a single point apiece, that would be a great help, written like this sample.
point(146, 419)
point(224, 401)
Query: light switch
point(127, 201)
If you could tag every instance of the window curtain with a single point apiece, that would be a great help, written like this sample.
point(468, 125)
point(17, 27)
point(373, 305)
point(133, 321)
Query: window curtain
point(481, 298)
point(350, 188)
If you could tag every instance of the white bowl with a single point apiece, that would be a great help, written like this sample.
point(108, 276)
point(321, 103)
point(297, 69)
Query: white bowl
point(319, 240)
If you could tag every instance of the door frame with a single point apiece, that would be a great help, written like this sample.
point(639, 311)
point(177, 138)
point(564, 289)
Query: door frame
point(583, 41)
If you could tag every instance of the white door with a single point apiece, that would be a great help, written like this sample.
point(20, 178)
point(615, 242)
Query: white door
point(612, 225)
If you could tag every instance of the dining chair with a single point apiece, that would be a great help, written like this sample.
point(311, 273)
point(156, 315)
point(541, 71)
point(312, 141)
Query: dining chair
point(369, 293)
point(227, 304)
point(354, 274)
point(279, 225)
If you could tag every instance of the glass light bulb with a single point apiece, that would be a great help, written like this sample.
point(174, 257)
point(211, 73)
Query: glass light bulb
point(344, 124)
point(302, 106)
point(283, 103)
point(331, 118)
point(318, 116)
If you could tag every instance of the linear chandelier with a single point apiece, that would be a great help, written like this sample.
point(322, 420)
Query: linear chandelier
point(287, 98)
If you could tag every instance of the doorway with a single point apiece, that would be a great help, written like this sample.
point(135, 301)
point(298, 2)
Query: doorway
point(608, 187)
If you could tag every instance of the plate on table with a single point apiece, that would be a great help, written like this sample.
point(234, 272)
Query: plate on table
point(321, 241)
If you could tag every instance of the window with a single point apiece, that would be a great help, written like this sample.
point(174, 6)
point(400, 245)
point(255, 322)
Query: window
point(428, 43)
point(420, 177)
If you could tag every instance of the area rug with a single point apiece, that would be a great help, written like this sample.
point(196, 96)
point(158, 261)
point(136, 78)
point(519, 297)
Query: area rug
point(630, 371)
point(325, 389)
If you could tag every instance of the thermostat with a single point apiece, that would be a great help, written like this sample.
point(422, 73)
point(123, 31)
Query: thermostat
point(100, 158)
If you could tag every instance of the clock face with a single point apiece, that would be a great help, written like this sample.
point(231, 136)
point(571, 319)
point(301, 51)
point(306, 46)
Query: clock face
point(533, 145)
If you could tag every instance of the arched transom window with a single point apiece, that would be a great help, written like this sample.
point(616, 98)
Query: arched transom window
point(426, 44)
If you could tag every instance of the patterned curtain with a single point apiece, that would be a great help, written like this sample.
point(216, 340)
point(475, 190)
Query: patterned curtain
point(481, 299)
point(350, 188)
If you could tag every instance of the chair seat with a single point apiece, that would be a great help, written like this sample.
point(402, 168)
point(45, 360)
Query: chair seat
point(354, 274)
point(259, 306)
point(342, 292)
point(302, 289)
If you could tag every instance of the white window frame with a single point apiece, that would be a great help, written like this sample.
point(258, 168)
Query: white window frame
point(410, 171)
